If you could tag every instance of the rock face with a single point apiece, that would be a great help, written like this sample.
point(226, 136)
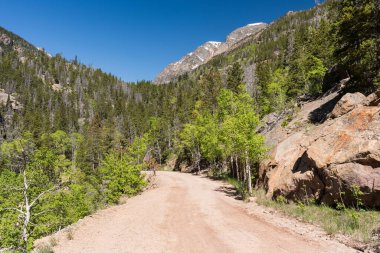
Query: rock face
point(206, 52)
point(330, 162)
point(189, 62)
point(4, 39)
point(374, 99)
point(347, 103)
point(15, 105)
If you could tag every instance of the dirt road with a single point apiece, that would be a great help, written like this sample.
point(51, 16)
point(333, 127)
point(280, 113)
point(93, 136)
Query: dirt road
point(187, 213)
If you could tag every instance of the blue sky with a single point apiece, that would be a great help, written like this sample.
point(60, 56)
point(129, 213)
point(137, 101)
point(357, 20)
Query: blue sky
point(136, 39)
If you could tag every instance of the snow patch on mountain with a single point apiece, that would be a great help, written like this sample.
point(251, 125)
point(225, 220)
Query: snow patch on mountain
point(206, 52)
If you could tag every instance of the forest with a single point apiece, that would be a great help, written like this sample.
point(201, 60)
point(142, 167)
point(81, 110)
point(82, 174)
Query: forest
point(79, 138)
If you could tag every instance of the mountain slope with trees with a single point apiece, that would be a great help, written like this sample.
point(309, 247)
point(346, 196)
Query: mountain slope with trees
point(67, 145)
point(74, 139)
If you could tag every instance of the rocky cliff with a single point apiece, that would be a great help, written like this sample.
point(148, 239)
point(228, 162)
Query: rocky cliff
point(206, 52)
point(11, 42)
point(328, 152)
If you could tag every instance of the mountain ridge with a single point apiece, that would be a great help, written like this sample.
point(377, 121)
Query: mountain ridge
point(206, 52)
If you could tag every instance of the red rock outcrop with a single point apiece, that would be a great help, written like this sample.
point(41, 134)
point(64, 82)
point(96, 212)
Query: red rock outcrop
point(329, 162)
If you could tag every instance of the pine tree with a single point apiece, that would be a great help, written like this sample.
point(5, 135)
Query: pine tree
point(235, 77)
point(210, 85)
point(357, 31)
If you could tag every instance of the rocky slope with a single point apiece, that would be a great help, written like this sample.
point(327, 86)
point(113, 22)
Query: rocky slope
point(329, 152)
point(206, 52)
point(10, 42)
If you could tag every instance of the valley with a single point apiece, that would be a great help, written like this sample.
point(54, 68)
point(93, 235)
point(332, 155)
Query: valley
point(265, 141)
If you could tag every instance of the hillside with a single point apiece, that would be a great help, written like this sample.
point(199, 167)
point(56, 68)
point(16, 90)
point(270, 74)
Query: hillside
point(59, 122)
point(290, 108)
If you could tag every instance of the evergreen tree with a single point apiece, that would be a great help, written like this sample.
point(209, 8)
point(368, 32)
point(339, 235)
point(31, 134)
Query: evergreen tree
point(210, 85)
point(357, 31)
point(235, 77)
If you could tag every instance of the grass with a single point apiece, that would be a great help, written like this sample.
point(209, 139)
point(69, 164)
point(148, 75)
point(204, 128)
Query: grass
point(358, 224)
point(45, 249)
point(53, 241)
point(240, 187)
point(70, 234)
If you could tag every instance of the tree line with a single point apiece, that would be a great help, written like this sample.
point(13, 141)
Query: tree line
point(71, 150)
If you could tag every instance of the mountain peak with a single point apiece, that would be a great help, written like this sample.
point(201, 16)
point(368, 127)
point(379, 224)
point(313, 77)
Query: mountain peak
point(255, 24)
point(206, 52)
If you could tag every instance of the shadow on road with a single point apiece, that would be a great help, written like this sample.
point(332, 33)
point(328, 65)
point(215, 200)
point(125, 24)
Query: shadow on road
point(230, 191)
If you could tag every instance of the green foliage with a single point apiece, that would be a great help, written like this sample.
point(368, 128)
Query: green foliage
point(287, 120)
point(240, 187)
point(201, 136)
point(292, 57)
point(45, 249)
point(88, 140)
point(210, 85)
point(227, 134)
point(40, 179)
point(235, 77)
point(314, 75)
point(358, 224)
point(307, 72)
point(357, 32)
point(121, 175)
point(281, 199)
point(276, 91)
point(239, 121)
point(357, 194)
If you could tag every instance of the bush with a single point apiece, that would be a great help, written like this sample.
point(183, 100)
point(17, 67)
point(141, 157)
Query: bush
point(120, 176)
point(241, 188)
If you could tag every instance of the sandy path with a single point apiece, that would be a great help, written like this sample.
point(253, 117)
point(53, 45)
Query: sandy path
point(187, 213)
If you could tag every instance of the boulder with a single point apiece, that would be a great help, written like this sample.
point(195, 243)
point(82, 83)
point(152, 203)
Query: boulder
point(374, 98)
point(343, 180)
point(5, 39)
point(57, 87)
point(347, 103)
point(15, 105)
point(279, 178)
point(336, 161)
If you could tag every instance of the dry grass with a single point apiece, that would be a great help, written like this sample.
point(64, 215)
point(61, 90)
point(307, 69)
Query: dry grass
point(70, 234)
point(53, 241)
point(44, 249)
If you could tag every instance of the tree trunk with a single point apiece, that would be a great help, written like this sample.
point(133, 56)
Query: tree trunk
point(248, 169)
point(198, 160)
point(159, 152)
point(237, 168)
point(245, 173)
point(232, 166)
point(25, 235)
